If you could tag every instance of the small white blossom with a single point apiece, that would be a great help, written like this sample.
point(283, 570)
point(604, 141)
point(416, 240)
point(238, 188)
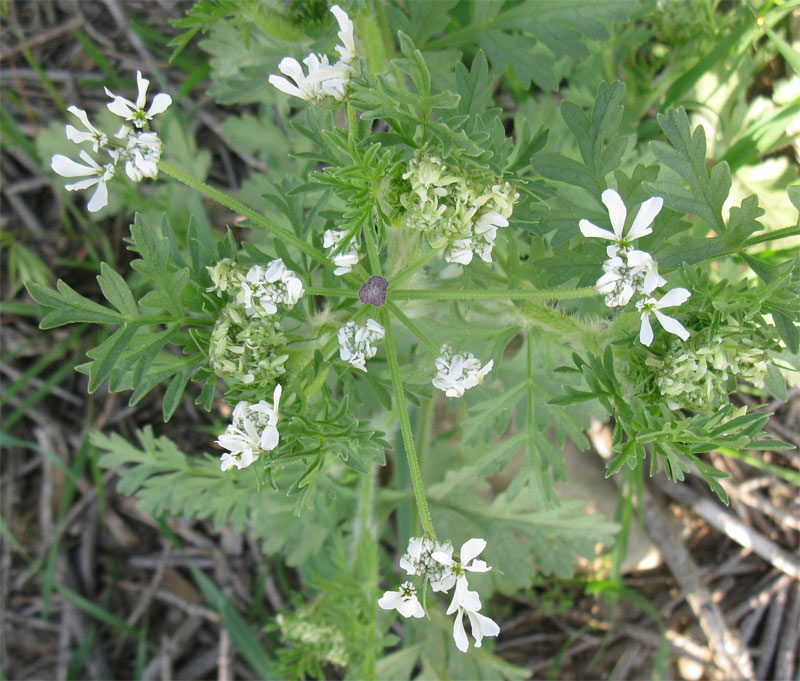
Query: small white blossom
point(346, 257)
point(418, 560)
point(617, 214)
point(356, 343)
point(404, 601)
point(94, 173)
point(263, 288)
point(457, 372)
point(463, 597)
point(621, 280)
point(135, 112)
point(142, 155)
point(324, 80)
point(676, 296)
point(253, 431)
point(98, 138)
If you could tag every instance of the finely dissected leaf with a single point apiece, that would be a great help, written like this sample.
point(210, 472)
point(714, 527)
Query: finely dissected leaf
point(67, 306)
point(474, 86)
point(706, 192)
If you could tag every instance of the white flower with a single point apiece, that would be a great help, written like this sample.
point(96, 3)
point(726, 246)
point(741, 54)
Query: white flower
point(324, 79)
point(457, 372)
point(404, 601)
point(347, 51)
point(92, 134)
point(347, 256)
point(621, 280)
point(676, 296)
point(263, 288)
point(252, 431)
point(142, 155)
point(462, 596)
point(617, 214)
point(485, 233)
point(418, 560)
point(95, 174)
point(356, 342)
point(135, 112)
point(481, 626)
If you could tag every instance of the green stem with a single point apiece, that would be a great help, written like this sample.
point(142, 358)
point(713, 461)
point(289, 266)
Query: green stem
point(333, 292)
point(237, 206)
point(412, 327)
point(492, 294)
point(771, 236)
point(405, 428)
point(372, 248)
point(571, 331)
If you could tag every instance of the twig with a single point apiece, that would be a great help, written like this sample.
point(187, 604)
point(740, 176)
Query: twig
point(732, 527)
point(760, 504)
point(769, 639)
point(787, 648)
point(172, 598)
point(42, 38)
point(729, 655)
point(224, 659)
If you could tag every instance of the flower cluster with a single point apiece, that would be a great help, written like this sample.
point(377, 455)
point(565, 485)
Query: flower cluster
point(454, 210)
point(138, 150)
point(342, 251)
point(434, 563)
point(253, 431)
point(325, 81)
point(263, 288)
point(458, 371)
point(356, 342)
point(244, 348)
point(700, 379)
point(629, 272)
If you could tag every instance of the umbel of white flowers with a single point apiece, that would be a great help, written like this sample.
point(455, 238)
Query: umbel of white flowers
point(434, 563)
point(356, 342)
point(454, 210)
point(636, 275)
point(325, 81)
point(138, 150)
point(253, 431)
point(458, 371)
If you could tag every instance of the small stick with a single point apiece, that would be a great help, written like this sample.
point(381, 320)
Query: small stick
point(732, 527)
point(42, 38)
point(769, 638)
point(784, 660)
point(224, 658)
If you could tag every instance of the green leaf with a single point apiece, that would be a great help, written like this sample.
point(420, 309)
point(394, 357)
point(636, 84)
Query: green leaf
point(67, 306)
point(117, 291)
point(474, 86)
point(706, 192)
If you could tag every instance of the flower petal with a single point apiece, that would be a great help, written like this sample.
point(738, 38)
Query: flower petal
point(591, 230)
point(470, 549)
point(616, 210)
point(676, 296)
point(646, 332)
point(389, 600)
point(644, 218)
point(121, 107)
point(159, 104)
point(141, 84)
point(672, 325)
point(459, 634)
point(66, 167)
point(99, 199)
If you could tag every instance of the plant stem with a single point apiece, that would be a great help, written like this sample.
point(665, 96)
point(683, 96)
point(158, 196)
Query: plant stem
point(333, 292)
point(492, 294)
point(412, 327)
point(405, 428)
point(408, 271)
point(372, 248)
point(237, 206)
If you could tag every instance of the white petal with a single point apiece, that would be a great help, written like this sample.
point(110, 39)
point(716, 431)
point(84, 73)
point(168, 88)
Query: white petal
point(644, 218)
point(459, 634)
point(672, 325)
point(646, 332)
point(159, 104)
point(77, 136)
point(676, 296)
point(443, 558)
point(276, 398)
point(141, 96)
point(269, 438)
point(616, 210)
point(481, 626)
point(99, 199)
point(590, 230)
point(66, 167)
point(477, 566)
point(389, 600)
point(285, 86)
point(121, 107)
point(470, 549)
point(82, 184)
